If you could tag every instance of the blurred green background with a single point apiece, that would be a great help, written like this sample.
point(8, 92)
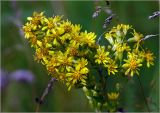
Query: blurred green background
point(16, 54)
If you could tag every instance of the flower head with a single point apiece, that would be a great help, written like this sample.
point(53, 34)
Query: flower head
point(50, 23)
point(102, 55)
point(82, 62)
point(121, 30)
point(149, 58)
point(109, 37)
point(78, 73)
point(88, 38)
point(36, 19)
point(113, 95)
point(65, 59)
point(132, 64)
point(125, 28)
point(112, 67)
point(136, 37)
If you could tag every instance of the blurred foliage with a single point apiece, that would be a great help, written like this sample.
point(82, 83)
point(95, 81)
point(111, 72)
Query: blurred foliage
point(16, 54)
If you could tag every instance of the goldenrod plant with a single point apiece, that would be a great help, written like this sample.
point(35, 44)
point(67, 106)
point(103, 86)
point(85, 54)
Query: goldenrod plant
point(73, 57)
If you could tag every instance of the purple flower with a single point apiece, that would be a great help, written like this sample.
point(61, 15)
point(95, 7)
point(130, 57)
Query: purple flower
point(22, 76)
point(3, 79)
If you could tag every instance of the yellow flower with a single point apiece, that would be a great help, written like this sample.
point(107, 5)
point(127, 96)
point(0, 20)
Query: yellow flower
point(122, 47)
point(60, 74)
point(36, 19)
point(67, 26)
point(112, 67)
point(27, 28)
point(39, 43)
point(136, 37)
point(65, 37)
point(76, 28)
point(72, 49)
point(38, 55)
point(36, 15)
point(132, 64)
point(82, 62)
point(113, 96)
point(117, 31)
point(64, 59)
point(102, 55)
point(78, 73)
point(53, 61)
point(119, 48)
point(76, 38)
point(125, 28)
point(33, 41)
point(88, 38)
point(49, 24)
point(75, 75)
point(149, 58)
point(109, 37)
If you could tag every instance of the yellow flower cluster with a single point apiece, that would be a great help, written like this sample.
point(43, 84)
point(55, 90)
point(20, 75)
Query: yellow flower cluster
point(73, 57)
point(68, 53)
point(123, 53)
point(60, 46)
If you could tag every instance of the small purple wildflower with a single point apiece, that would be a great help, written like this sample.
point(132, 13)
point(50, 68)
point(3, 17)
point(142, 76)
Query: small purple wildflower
point(22, 76)
point(3, 79)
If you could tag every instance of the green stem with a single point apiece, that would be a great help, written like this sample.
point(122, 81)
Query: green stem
point(142, 90)
point(103, 84)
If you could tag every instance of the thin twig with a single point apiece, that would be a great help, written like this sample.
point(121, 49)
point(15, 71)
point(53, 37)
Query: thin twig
point(45, 93)
point(142, 90)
